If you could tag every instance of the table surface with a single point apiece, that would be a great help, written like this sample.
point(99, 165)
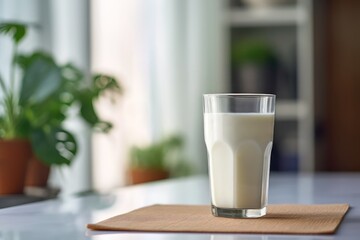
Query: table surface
point(67, 218)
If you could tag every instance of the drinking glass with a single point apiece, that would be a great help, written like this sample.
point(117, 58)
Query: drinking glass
point(238, 131)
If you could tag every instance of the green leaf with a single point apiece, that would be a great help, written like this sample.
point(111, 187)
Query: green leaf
point(54, 146)
point(41, 79)
point(173, 142)
point(16, 31)
point(103, 126)
point(163, 154)
point(71, 73)
point(252, 51)
point(148, 157)
point(88, 113)
point(50, 112)
point(23, 126)
point(24, 61)
point(103, 83)
point(87, 110)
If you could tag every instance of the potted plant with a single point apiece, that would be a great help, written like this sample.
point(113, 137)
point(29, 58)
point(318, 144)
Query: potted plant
point(158, 161)
point(255, 65)
point(34, 111)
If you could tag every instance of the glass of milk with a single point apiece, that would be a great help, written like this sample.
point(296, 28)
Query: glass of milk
point(238, 132)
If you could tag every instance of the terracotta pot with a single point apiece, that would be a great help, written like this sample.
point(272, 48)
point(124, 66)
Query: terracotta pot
point(14, 157)
point(142, 175)
point(37, 173)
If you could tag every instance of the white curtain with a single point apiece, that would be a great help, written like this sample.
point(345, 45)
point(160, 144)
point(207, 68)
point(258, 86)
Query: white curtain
point(117, 49)
point(66, 23)
point(185, 63)
point(166, 53)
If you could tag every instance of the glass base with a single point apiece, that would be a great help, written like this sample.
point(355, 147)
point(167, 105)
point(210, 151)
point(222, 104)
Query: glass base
point(237, 212)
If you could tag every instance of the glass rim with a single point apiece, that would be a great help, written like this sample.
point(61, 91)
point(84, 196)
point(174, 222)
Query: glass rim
point(239, 95)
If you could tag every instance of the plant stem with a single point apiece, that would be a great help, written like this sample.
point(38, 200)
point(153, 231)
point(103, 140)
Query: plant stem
point(3, 86)
point(11, 120)
point(12, 69)
point(11, 110)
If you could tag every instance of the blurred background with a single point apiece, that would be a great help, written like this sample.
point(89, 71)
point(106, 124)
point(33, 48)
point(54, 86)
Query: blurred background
point(166, 53)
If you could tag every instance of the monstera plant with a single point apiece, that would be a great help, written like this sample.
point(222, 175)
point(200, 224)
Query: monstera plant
point(36, 99)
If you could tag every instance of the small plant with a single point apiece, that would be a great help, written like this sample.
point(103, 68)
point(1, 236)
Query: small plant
point(38, 107)
point(252, 51)
point(164, 155)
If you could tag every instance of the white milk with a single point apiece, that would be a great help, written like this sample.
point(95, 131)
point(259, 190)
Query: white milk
point(239, 147)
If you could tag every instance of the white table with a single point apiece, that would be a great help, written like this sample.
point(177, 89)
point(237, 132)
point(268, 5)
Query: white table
point(66, 218)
